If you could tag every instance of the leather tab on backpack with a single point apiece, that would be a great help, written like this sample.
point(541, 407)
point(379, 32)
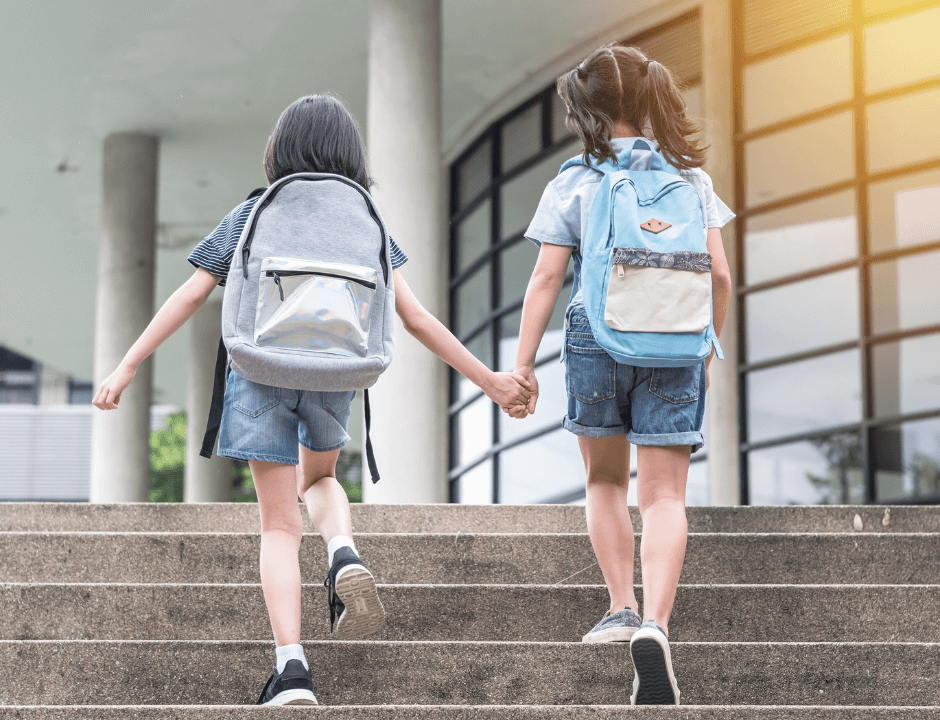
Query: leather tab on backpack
point(655, 226)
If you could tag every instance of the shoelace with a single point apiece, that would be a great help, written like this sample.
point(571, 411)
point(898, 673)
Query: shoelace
point(331, 597)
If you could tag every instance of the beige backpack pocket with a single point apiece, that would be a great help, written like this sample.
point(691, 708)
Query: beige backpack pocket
point(657, 292)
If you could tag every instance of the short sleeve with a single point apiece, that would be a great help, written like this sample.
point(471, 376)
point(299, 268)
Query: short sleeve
point(214, 253)
point(556, 222)
point(717, 213)
point(398, 257)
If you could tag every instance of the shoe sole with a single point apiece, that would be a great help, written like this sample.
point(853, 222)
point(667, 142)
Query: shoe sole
point(617, 634)
point(654, 682)
point(293, 697)
point(364, 614)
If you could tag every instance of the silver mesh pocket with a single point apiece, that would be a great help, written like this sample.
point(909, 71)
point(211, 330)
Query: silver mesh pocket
point(315, 307)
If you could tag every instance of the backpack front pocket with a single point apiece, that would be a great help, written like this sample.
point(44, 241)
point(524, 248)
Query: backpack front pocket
point(317, 307)
point(659, 292)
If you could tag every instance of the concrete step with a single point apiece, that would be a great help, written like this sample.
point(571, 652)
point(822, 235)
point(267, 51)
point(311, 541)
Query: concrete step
point(243, 517)
point(703, 613)
point(776, 558)
point(381, 673)
point(468, 712)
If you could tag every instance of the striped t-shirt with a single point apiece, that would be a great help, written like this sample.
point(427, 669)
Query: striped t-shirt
point(214, 253)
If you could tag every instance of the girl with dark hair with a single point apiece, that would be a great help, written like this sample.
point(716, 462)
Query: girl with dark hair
point(275, 429)
point(612, 96)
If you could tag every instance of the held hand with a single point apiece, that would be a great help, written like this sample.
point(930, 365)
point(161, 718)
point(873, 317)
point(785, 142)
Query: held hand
point(528, 375)
point(109, 394)
point(507, 390)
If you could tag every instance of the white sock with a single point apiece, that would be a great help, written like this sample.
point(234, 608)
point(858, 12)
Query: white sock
point(336, 543)
point(290, 652)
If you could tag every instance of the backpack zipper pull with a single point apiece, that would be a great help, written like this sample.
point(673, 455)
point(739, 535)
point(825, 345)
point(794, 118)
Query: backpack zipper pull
point(620, 272)
point(280, 289)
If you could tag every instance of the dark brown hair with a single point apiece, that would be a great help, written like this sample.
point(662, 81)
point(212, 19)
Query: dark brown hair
point(316, 134)
point(617, 83)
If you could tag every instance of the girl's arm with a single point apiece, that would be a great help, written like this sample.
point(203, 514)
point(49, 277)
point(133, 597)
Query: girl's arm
point(504, 389)
point(175, 311)
point(721, 286)
point(540, 296)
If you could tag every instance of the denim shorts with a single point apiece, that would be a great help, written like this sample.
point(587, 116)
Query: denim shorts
point(651, 406)
point(261, 422)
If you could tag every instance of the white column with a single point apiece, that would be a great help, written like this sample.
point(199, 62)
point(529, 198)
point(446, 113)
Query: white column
point(717, 108)
point(204, 480)
point(409, 402)
point(120, 459)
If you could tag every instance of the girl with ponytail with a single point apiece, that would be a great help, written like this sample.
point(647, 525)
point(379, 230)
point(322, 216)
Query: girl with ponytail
point(612, 97)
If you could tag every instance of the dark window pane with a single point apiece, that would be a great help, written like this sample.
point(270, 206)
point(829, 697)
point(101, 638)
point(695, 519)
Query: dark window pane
point(474, 426)
point(905, 293)
point(907, 460)
point(802, 316)
point(479, 347)
point(904, 211)
point(804, 396)
point(520, 197)
point(906, 375)
point(826, 471)
point(475, 487)
point(894, 124)
point(472, 299)
point(474, 174)
point(473, 236)
point(800, 238)
point(541, 469)
point(517, 263)
point(794, 161)
point(521, 137)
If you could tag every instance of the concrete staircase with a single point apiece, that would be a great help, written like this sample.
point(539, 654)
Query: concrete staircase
point(155, 611)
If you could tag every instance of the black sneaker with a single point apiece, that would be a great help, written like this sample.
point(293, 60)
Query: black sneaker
point(294, 686)
point(653, 680)
point(352, 597)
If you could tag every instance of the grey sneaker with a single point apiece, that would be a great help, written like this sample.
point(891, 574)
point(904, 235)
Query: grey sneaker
point(614, 627)
point(653, 680)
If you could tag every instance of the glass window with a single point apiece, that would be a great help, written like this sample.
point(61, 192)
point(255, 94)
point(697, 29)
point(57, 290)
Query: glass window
point(552, 340)
point(472, 299)
point(904, 211)
point(902, 51)
point(474, 425)
point(873, 7)
point(520, 197)
point(521, 137)
point(473, 236)
point(696, 489)
point(824, 471)
point(804, 396)
point(540, 470)
point(903, 130)
point(907, 460)
point(802, 315)
point(800, 237)
point(516, 269)
point(905, 293)
point(551, 409)
point(474, 174)
point(479, 347)
point(906, 375)
point(559, 113)
point(797, 160)
point(791, 84)
point(769, 23)
point(475, 487)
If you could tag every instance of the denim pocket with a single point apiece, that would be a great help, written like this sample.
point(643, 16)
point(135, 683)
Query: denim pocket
point(252, 398)
point(337, 404)
point(591, 374)
point(676, 384)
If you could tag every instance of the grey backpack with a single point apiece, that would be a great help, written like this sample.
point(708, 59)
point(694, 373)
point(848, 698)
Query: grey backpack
point(309, 301)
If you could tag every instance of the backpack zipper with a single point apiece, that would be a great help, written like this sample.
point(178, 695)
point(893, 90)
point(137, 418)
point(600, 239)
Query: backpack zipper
point(278, 274)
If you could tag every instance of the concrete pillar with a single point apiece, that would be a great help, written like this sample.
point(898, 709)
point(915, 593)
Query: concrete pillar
point(204, 480)
point(120, 456)
point(409, 402)
point(724, 470)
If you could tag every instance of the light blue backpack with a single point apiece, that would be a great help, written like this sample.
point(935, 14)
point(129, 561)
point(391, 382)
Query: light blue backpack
point(645, 270)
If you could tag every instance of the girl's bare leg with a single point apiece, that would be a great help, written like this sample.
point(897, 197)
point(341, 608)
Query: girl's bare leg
point(663, 472)
point(607, 462)
point(281, 531)
point(324, 497)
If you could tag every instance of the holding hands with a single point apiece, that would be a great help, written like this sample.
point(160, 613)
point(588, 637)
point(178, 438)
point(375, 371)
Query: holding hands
point(511, 391)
